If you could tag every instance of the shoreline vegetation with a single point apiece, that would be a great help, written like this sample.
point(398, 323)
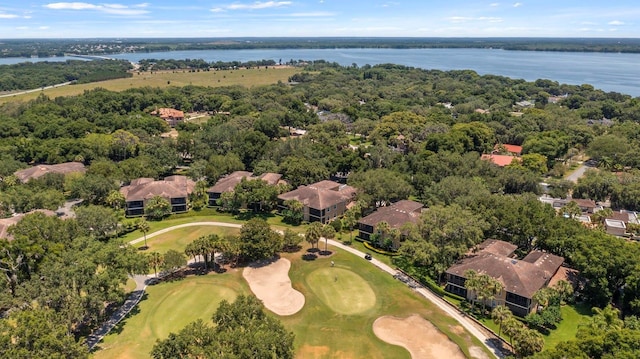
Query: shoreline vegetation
point(28, 48)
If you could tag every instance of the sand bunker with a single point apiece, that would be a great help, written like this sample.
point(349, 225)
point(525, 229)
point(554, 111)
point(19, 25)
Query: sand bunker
point(271, 284)
point(421, 338)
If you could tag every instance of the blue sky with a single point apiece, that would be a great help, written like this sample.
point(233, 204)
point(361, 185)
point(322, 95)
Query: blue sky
point(415, 18)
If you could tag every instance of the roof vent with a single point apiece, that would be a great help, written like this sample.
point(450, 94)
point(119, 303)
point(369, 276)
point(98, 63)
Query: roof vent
point(513, 261)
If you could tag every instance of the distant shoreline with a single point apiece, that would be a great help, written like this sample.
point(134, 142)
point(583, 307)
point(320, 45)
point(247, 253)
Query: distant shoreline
point(30, 48)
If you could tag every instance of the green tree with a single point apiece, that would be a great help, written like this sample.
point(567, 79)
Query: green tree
point(234, 335)
point(328, 232)
point(156, 261)
point(291, 240)
point(98, 221)
point(258, 240)
point(313, 233)
point(38, 333)
point(143, 226)
point(381, 186)
point(173, 260)
point(500, 315)
point(450, 231)
point(157, 208)
point(293, 212)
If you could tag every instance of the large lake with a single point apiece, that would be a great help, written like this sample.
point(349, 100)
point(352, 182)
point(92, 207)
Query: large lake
point(606, 71)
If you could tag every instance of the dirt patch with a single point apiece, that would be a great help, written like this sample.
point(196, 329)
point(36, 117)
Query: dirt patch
point(271, 284)
point(457, 329)
point(311, 351)
point(421, 338)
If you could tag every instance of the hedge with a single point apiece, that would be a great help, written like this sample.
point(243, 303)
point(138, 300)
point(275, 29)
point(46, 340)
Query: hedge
point(378, 250)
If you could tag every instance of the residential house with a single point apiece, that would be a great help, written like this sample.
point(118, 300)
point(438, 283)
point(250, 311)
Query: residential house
point(229, 182)
point(323, 201)
point(513, 150)
point(615, 227)
point(586, 205)
point(521, 278)
point(175, 189)
point(5, 223)
point(171, 116)
point(500, 160)
point(38, 171)
point(396, 215)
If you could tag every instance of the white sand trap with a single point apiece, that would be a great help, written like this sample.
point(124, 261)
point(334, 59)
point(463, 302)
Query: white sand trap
point(271, 284)
point(421, 338)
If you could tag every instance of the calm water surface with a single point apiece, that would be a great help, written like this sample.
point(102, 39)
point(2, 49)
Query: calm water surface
point(606, 71)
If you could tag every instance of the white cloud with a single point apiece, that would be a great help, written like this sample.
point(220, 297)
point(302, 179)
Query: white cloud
point(312, 14)
point(113, 9)
point(8, 16)
point(22, 28)
point(43, 28)
point(518, 4)
point(616, 23)
point(494, 4)
point(258, 5)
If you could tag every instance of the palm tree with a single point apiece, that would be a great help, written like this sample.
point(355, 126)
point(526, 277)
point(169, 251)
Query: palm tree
point(155, 260)
point(564, 289)
point(313, 233)
point(143, 226)
point(349, 221)
point(472, 284)
point(500, 315)
point(328, 232)
point(383, 229)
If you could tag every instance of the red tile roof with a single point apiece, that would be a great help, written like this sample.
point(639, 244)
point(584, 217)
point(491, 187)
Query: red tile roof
point(512, 148)
point(500, 160)
point(166, 113)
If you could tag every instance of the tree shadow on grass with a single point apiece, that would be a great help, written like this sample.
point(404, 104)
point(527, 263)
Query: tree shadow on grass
point(325, 253)
point(245, 216)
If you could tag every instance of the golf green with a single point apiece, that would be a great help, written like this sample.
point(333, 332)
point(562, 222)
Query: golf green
point(341, 290)
point(167, 308)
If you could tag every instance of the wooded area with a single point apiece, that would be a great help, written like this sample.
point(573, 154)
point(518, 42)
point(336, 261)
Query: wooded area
point(34, 75)
point(392, 132)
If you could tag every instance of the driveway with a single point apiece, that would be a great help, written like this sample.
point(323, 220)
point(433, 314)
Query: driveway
point(575, 175)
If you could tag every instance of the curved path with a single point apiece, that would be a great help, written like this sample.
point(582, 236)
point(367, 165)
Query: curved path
point(36, 90)
point(468, 324)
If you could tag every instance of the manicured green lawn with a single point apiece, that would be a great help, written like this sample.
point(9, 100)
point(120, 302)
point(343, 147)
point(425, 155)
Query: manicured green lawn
point(168, 307)
point(210, 215)
point(178, 239)
point(572, 317)
point(336, 321)
point(323, 332)
point(341, 290)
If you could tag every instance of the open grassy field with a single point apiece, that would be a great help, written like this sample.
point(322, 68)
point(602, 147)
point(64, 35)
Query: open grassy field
point(178, 78)
point(179, 238)
point(336, 320)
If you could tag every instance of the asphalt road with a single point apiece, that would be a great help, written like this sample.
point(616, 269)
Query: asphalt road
point(36, 90)
point(575, 175)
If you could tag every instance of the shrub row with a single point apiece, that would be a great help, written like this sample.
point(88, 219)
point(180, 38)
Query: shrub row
point(378, 250)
